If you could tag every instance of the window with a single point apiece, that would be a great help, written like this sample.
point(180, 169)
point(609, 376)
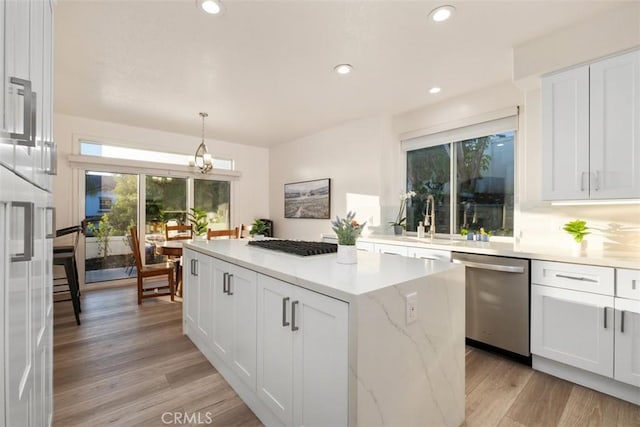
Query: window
point(471, 180)
point(88, 148)
point(213, 197)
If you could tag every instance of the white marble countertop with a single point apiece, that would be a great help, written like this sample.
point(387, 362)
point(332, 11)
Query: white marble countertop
point(321, 273)
point(591, 257)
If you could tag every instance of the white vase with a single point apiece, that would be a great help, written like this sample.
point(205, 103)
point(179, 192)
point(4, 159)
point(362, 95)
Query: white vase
point(258, 237)
point(347, 254)
point(579, 249)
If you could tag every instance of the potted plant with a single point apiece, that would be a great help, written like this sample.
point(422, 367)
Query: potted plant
point(399, 224)
point(258, 229)
point(578, 230)
point(198, 218)
point(348, 230)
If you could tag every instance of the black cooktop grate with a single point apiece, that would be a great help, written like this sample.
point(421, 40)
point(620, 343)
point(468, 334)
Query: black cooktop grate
point(296, 247)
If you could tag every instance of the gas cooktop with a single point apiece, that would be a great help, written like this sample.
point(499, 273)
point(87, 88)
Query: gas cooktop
point(296, 247)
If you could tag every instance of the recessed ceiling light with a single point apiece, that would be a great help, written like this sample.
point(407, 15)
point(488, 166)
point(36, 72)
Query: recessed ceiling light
point(214, 7)
point(434, 90)
point(343, 68)
point(442, 13)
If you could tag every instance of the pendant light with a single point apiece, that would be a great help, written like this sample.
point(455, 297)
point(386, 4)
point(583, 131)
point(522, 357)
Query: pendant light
point(203, 159)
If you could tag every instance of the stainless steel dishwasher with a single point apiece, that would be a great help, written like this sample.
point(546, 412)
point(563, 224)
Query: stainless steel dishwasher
point(497, 301)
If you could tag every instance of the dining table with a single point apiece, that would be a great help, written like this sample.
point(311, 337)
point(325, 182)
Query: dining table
point(173, 248)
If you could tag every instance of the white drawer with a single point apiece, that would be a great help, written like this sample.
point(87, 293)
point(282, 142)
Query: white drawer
point(628, 283)
point(365, 246)
point(391, 249)
point(586, 278)
point(429, 254)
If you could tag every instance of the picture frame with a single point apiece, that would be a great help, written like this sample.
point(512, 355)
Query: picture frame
point(308, 199)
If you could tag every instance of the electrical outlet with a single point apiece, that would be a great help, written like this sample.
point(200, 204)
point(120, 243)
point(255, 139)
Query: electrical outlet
point(411, 307)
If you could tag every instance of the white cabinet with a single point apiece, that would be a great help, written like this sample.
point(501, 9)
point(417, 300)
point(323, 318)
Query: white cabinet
point(365, 246)
point(591, 130)
point(26, 232)
point(571, 327)
point(234, 322)
point(26, 99)
point(627, 341)
point(429, 254)
point(391, 249)
point(302, 354)
point(198, 292)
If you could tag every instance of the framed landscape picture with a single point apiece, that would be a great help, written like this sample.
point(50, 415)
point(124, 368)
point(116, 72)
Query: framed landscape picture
point(308, 199)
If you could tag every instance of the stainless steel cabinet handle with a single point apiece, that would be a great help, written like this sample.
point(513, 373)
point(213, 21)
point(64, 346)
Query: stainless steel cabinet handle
point(633, 284)
point(51, 232)
point(27, 253)
point(293, 316)
point(225, 276)
point(285, 302)
point(195, 267)
point(432, 258)
point(582, 279)
point(597, 180)
point(582, 181)
point(53, 158)
point(229, 277)
point(605, 317)
point(26, 137)
point(493, 267)
point(622, 321)
point(390, 253)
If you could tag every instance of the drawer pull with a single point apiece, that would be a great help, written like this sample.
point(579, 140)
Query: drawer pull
point(605, 317)
point(633, 284)
point(622, 321)
point(582, 279)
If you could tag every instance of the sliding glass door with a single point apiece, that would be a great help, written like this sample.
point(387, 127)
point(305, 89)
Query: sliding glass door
point(165, 202)
point(111, 208)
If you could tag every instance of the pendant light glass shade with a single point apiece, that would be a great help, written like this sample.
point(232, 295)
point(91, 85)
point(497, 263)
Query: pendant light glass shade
point(203, 159)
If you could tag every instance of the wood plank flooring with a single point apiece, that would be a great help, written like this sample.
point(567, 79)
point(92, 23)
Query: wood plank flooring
point(127, 365)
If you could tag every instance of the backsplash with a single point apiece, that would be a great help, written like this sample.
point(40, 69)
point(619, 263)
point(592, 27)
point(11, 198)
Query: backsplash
point(614, 228)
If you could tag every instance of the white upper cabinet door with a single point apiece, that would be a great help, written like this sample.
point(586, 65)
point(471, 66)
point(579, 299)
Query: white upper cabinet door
point(627, 341)
point(565, 135)
point(615, 127)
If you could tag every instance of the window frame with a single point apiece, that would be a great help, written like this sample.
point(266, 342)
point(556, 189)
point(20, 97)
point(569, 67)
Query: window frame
point(452, 136)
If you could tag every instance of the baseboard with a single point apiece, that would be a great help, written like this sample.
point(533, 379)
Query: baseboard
point(587, 379)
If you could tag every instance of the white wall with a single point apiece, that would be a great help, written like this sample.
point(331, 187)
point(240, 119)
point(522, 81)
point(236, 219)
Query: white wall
point(250, 191)
point(352, 155)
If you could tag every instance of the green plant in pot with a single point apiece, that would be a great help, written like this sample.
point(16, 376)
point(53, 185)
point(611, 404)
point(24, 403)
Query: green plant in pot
point(198, 218)
point(577, 229)
point(258, 229)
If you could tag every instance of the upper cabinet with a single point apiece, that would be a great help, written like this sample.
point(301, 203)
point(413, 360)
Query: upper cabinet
point(591, 131)
point(26, 90)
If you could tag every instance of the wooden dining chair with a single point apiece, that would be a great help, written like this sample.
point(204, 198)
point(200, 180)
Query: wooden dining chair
point(244, 228)
point(232, 233)
point(178, 232)
point(153, 270)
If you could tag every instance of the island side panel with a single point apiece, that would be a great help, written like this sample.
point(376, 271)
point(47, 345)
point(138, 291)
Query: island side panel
point(409, 375)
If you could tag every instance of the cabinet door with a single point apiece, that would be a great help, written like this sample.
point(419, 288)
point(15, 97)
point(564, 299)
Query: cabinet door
point(320, 362)
point(190, 288)
point(205, 295)
point(275, 347)
point(242, 289)
point(615, 127)
point(572, 327)
point(565, 135)
point(3, 280)
point(627, 341)
point(222, 311)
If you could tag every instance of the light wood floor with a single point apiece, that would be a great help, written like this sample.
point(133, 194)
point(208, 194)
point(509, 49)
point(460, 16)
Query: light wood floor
point(128, 364)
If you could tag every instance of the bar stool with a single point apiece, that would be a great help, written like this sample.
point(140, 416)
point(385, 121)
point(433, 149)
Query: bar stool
point(65, 255)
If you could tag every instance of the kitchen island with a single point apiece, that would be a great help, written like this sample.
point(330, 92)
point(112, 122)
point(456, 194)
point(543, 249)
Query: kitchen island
point(308, 341)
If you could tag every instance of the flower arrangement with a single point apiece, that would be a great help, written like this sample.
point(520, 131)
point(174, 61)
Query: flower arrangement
point(400, 219)
point(347, 229)
point(577, 229)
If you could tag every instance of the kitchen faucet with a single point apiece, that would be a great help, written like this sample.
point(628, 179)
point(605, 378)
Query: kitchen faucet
point(430, 218)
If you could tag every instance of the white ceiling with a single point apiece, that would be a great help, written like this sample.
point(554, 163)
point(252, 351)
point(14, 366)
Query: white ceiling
point(264, 70)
